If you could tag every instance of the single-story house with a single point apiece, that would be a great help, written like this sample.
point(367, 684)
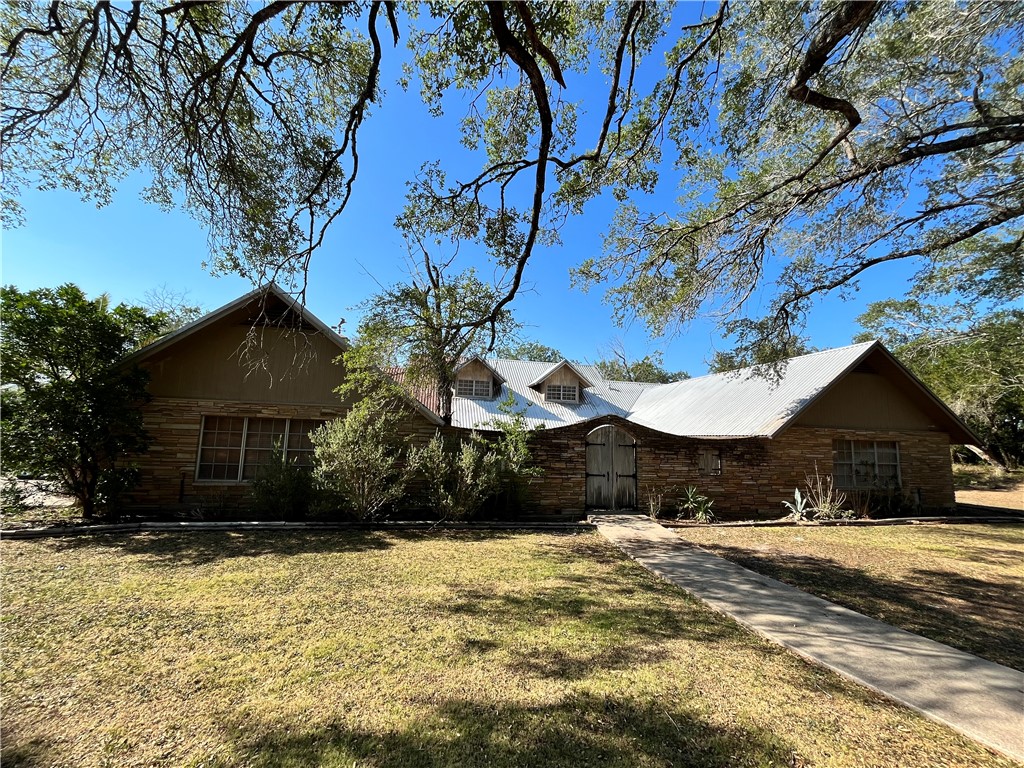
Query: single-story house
point(262, 370)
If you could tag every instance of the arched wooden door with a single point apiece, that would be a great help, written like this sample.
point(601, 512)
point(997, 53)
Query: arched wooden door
point(611, 469)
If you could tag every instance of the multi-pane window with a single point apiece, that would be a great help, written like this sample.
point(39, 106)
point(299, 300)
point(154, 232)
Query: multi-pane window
point(233, 448)
point(865, 463)
point(709, 461)
point(565, 393)
point(473, 388)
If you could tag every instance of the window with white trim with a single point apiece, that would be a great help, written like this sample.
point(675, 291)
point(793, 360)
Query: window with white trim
point(233, 448)
point(473, 388)
point(564, 393)
point(709, 461)
point(865, 464)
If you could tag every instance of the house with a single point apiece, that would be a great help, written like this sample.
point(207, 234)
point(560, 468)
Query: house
point(262, 370)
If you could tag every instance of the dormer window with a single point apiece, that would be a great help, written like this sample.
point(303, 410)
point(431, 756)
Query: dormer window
point(562, 393)
point(473, 388)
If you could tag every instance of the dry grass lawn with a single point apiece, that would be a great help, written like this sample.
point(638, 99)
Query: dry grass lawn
point(408, 649)
point(962, 585)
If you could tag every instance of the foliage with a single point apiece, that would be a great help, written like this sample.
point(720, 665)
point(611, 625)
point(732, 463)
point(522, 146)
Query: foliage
point(798, 507)
point(723, 362)
point(460, 474)
point(825, 500)
point(70, 409)
point(529, 350)
point(696, 505)
point(361, 459)
point(974, 362)
point(13, 500)
point(282, 490)
point(173, 306)
point(618, 366)
point(656, 501)
point(514, 454)
point(811, 142)
point(426, 328)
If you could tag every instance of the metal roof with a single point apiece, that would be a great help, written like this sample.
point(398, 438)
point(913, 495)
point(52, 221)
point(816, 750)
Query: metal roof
point(744, 403)
point(601, 398)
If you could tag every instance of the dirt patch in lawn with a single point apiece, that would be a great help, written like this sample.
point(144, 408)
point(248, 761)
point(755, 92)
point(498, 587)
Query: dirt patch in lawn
point(962, 585)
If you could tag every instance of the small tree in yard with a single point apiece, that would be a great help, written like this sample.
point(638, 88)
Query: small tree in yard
point(460, 474)
point(514, 454)
point(360, 458)
point(69, 410)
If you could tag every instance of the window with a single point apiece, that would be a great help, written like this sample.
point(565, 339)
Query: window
point(473, 388)
point(233, 448)
point(565, 393)
point(709, 461)
point(865, 463)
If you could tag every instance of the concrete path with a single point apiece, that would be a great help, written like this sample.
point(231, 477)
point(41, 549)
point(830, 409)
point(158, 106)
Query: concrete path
point(979, 698)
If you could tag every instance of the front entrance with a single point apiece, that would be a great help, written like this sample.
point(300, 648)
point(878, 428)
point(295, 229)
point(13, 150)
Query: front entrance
point(611, 469)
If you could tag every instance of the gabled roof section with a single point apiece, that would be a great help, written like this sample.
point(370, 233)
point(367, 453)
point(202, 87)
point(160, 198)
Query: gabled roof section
point(257, 294)
point(604, 398)
point(747, 403)
point(482, 361)
point(555, 368)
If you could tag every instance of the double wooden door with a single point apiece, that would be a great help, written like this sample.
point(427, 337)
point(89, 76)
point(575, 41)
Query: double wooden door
point(611, 469)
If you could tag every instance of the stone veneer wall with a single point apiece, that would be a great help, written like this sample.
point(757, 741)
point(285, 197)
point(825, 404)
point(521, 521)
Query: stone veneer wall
point(168, 469)
point(757, 473)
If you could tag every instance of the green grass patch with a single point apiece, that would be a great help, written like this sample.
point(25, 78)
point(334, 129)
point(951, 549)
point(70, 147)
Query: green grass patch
point(408, 649)
point(962, 585)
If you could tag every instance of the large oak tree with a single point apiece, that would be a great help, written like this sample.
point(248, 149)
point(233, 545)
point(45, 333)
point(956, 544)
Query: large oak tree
point(811, 142)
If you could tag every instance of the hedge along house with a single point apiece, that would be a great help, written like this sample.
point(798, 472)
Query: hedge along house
point(745, 440)
point(260, 371)
point(227, 388)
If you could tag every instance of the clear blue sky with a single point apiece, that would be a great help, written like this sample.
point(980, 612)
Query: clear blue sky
point(130, 247)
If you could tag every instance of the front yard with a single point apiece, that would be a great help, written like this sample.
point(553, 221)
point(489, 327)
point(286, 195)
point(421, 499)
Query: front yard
point(408, 649)
point(962, 585)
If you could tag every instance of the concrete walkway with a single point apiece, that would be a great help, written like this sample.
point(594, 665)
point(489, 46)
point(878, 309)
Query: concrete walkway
point(979, 698)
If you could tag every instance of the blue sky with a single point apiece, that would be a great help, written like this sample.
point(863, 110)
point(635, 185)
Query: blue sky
point(130, 247)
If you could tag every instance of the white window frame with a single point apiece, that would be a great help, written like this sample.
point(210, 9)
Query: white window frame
point(239, 479)
point(477, 389)
point(556, 393)
point(874, 483)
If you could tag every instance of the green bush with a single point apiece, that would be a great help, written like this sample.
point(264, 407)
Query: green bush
point(696, 505)
point(282, 491)
point(360, 460)
point(460, 474)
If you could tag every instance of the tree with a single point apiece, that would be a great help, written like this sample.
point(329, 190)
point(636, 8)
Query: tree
point(173, 306)
point(723, 362)
point(811, 142)
point(650, 368)
point(529, 350)
point(425, 330)
point(70, 409)
point(975, 364)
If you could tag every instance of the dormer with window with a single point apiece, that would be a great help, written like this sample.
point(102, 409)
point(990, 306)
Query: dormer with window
point(561, 383)
point(477, 380)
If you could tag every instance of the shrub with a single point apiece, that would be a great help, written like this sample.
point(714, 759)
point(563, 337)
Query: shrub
point(825, 500)
point(460, 474)
point(696, 505)
point(281, 490)
point(798, 508)
point(361, 460)
point(514, 454)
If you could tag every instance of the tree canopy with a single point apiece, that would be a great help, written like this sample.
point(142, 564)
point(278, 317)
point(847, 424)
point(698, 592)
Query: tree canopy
point(69, 407)
point(811, 143)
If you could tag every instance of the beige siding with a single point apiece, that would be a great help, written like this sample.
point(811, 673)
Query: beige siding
point(563, 375)
point(866, 401)
point(279, 366)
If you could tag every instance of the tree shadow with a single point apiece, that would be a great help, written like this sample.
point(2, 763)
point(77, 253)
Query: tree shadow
point(980, 616)
point(196, 548)
point(581, 729)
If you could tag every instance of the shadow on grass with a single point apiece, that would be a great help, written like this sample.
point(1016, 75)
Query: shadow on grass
point(580, 730)
point(193, 548)
point(979, 616)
